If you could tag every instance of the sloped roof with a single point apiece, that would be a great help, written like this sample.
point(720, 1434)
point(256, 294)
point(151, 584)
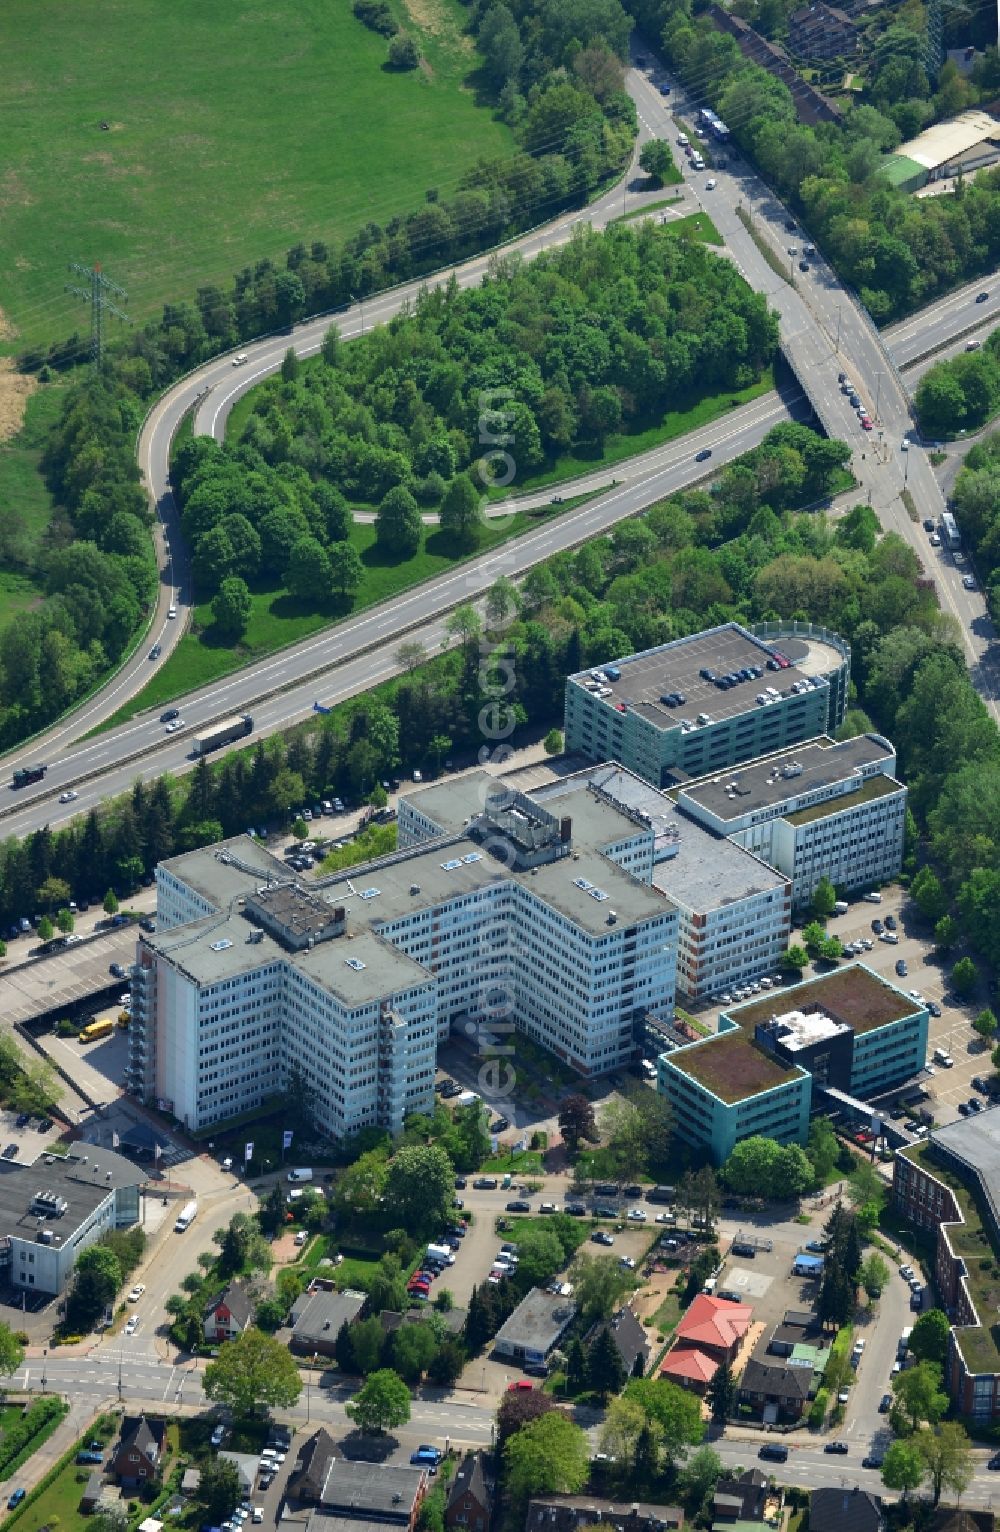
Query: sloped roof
point(689, 1362)
point(712, 1321)
point(237, 1301)
point(141, 1435)
point(308, 1477)
point(786, 1382)
point(844, 1510)
point(628, 1335)
point(470, 1480)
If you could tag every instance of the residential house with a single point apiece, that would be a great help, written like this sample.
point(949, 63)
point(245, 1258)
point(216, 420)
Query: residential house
point(135, 1460)
point(689, 1368)
point(470, 1503)
point(317, 1318)
point(845, 1510)
point(776, 1390)
point(307, 1478)
point(740, 1499)
point(452, 1320)
point(246, 1465)
point(569, 1513)
point(714, 1325)
point(229, 1315)
point(630, 1340)
point(811, 105)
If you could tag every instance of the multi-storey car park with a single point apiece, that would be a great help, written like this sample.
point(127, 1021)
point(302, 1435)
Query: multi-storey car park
point(705, 702)
point(851, 1031)
point(949, 1185)
point(816, 810)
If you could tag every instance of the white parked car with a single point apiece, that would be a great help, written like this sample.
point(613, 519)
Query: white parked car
point(636, 1215)
point(137, 1292)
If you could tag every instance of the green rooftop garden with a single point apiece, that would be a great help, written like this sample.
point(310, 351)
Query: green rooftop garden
point(874, 787)
point(732, 1067)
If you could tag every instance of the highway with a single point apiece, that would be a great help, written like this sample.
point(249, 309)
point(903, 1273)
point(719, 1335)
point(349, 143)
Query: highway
point(822, 333)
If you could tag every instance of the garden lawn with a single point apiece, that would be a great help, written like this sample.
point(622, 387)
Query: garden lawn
point(232, 132)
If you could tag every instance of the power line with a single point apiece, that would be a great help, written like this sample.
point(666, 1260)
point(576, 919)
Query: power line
point(99, 295)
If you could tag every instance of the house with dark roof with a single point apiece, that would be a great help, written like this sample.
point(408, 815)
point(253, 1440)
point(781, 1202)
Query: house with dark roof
point(470, 1503)
point(740, 1499)
point(230, 1314)
point(569, 1513)
point(317, 1317)
point(307, 1478)
point(452, 1319)
point(135, 1460)
point(776, 1390)
point(630, 1340)
point(796, 1329)
point(845, 1510)
point(362, 1497)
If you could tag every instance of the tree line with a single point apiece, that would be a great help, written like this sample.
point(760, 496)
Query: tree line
point(96, 567)
point(898, 251)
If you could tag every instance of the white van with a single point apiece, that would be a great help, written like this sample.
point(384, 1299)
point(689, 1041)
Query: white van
point(841, 907)
point(302, 1174)
point(874, 897)
point(441, 1253)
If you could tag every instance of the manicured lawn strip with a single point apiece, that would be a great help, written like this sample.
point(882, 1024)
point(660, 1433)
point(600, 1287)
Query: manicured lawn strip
point(171, 196)
point(650, 207)
point(700, 225)
point(278, 619)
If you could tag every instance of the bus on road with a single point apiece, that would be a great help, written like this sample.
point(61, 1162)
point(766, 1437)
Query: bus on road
point(949, 530)
point(96, 1029)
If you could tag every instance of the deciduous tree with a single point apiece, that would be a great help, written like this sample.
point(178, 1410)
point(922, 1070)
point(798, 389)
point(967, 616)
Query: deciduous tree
point(381, 1404)
point(251, 1374)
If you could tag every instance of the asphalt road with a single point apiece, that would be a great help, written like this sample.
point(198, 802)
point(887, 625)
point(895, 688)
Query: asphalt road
point(823, 333)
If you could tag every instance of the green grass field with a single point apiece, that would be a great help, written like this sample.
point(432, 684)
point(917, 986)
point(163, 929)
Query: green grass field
point(233, 132)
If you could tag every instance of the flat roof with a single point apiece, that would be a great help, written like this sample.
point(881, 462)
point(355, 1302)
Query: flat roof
point(975, 1141)
point(946, 140)
point(219, 872)
point(706, 873)
point(85, 1179)
point(674, 667)
point(538, 1321)
point(454, 800)
point(357, 967)
point(772, 780)
point(855, 995)
point(732, 1066)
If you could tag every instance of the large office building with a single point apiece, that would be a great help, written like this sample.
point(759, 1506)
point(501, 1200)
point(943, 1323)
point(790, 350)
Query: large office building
point(55, 1207)
point(851, 1030)
point(818, 809)
point(734, 911)
point(535, 912)
point(709, 701)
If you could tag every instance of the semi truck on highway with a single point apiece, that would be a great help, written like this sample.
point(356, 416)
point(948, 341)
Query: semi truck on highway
point(186, 1217)
point(223, 733)
point(25, 774)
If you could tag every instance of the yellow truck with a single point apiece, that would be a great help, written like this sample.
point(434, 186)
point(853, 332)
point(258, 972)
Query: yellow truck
point(96, 1029)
